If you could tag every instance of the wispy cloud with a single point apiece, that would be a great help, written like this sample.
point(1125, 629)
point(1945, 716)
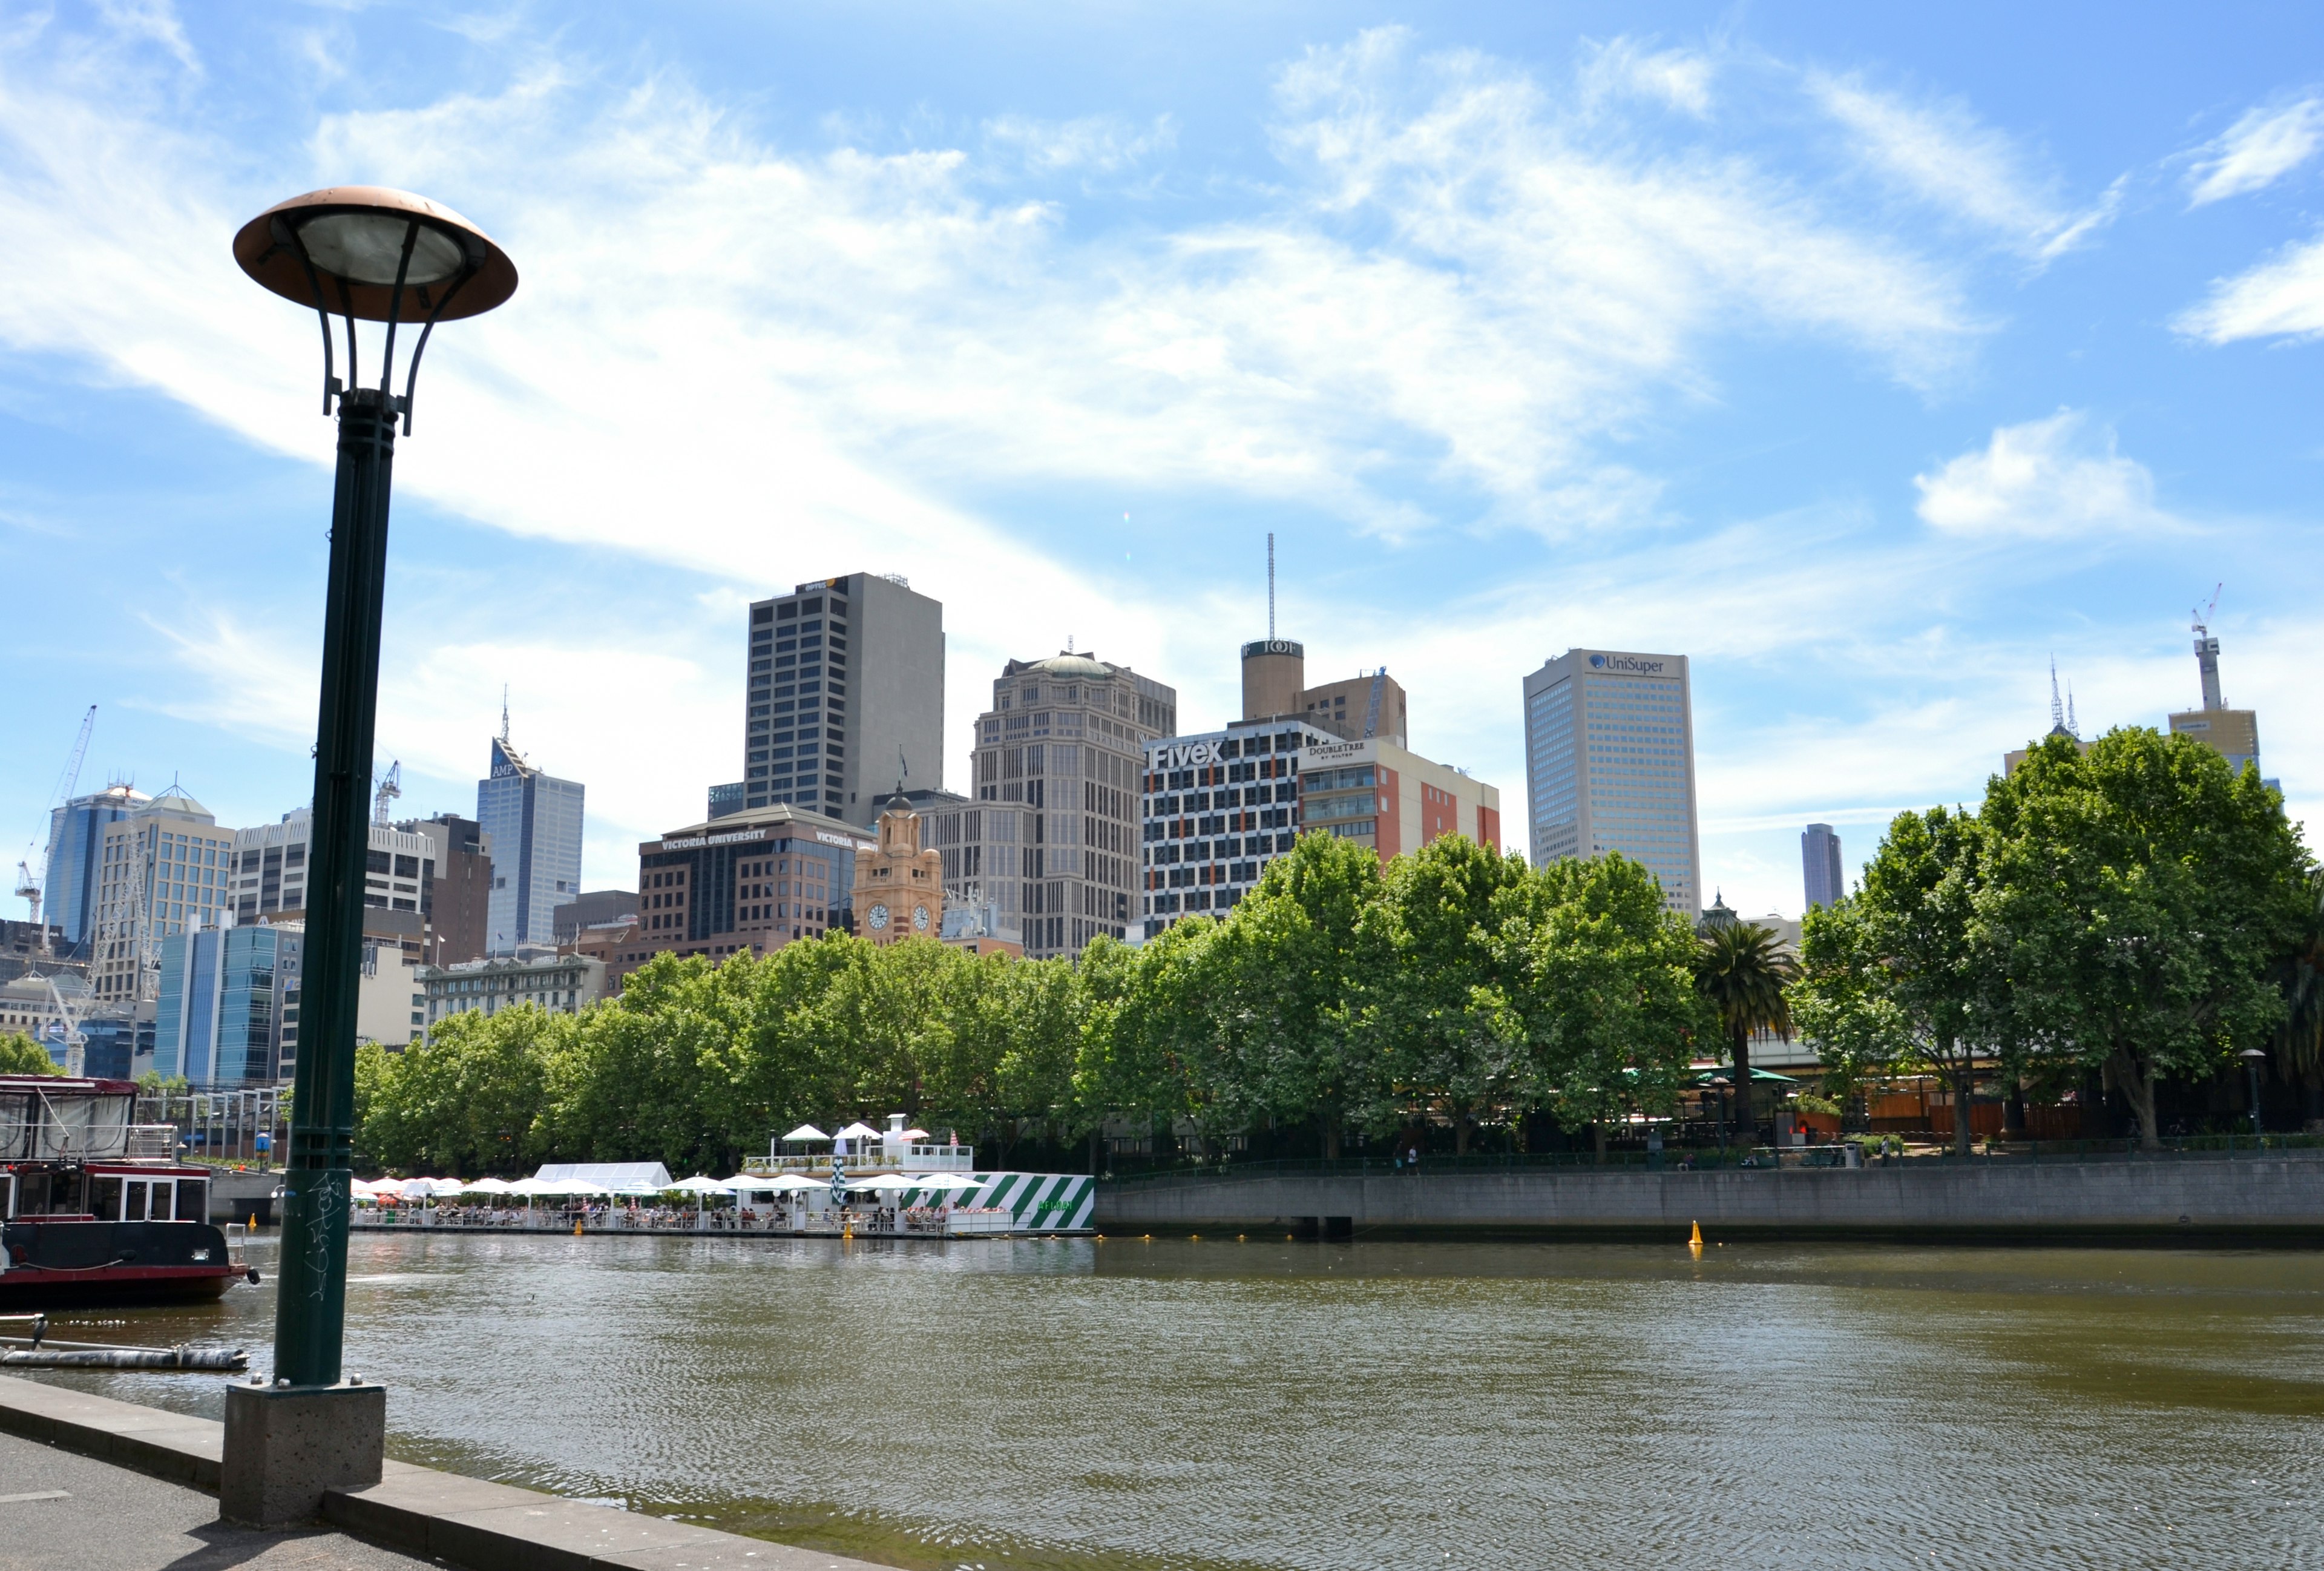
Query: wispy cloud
point(1098, 143)
point(2258, 150)
point(2280, 298)
point(1678, 79)
point(2046, 479)
point(1943, 154)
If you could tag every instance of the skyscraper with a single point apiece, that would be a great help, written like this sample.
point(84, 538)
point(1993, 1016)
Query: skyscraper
point(845, 693)
point(165, 869)
point(533, 821)
point(76, 844)
point(1609, 765)
point(1050, 841)
point(1820, 864)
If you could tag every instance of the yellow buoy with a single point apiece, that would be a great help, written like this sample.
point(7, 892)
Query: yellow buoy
point(576, 1230)
point(253, 1222)
point(1696, 1244)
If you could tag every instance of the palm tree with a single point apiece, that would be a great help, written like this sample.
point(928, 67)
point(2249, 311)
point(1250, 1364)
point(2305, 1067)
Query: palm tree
point(1743, 970)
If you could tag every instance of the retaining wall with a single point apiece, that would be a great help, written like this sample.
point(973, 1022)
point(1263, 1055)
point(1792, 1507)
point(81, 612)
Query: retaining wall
point(2260, 1198)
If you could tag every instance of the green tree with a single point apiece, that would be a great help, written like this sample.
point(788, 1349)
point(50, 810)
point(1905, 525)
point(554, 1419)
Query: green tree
point(21, 1055)
point(1902, 975)
point(2140, 892)
point(1742, 972)
point(469, 1099)
point(2299, 973)
point(1610, 1008)
point(1435, 985)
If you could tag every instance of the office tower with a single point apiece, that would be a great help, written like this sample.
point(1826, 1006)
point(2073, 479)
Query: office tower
point(746, 884)
point(1820, 864)
point(845, 698)
point(269, 869)
point(533, 821)
point(1218, 808)
point(1050, 841)
point(593, 908)
point(164, 869)
point(1609, 765)
point(2234, 732)
point(224, 995)
point(456, 897)
point(1275, 687)
point(76, 845)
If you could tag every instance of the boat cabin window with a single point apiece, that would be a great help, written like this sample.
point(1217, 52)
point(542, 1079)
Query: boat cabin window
point(105, 1199)
point(193, 1200)
point(7, 1195)
point(119, 1197)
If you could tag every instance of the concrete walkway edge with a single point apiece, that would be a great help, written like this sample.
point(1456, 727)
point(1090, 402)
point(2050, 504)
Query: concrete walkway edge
point(467, 1522)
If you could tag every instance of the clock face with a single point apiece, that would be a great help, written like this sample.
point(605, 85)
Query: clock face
point(877, 916)
point(920, 918)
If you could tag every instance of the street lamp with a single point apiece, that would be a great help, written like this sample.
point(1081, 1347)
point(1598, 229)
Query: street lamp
point(2253, 1058)
point(361, 253)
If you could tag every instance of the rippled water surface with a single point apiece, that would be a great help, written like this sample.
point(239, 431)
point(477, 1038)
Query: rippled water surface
point(1216, 1402)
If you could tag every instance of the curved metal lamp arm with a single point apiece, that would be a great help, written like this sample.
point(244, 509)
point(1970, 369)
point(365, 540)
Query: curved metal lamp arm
point(395, 309)
point(282, 232)
point(412, 373)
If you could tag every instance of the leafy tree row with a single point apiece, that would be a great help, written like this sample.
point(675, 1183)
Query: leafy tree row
point(1455, 985)
point(2139, 912)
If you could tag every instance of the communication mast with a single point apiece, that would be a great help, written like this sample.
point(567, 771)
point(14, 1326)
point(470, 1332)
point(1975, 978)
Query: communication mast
point(1270, 586)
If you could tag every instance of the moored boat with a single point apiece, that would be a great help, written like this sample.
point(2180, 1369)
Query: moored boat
point(95, 1208)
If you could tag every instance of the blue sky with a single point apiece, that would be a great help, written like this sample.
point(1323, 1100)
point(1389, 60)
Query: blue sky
point(1871, 360)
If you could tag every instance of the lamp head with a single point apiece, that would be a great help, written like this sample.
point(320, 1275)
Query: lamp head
point(354, 237)
point(2251, 1055)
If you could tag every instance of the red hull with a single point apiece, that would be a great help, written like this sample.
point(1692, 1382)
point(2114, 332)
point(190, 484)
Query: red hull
point(161, 1284)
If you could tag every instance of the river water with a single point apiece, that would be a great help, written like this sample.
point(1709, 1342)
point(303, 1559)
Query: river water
point(1128, 1404)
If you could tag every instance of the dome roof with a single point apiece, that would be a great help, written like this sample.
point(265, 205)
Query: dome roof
point(1071, 665)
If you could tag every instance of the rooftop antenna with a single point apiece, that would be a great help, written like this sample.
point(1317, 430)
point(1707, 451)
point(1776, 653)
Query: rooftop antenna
point(903, 769)
point(2073, 727)
point(505, 725)
point(1270, 586)
point(2057, 709)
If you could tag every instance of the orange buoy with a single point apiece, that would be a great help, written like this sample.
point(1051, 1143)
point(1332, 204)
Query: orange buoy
point(1696, 1244)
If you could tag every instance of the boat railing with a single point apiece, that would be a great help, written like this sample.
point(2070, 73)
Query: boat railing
point(152, 1142)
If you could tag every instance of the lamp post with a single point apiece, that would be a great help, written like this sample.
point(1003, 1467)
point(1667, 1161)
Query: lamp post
point(367, 254)
point(1720, 1081)
point(2253, 1058)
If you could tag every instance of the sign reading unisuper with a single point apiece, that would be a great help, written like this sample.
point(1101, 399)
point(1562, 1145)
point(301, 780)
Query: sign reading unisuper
point(1631, 665)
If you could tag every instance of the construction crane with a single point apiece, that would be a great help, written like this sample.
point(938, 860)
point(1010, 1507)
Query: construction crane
point(2203, 613)
point(391, 786)
point(1371, 710)
point(28, 888)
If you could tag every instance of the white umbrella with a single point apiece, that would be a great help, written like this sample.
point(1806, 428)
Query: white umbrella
point(915, 1134)
point(884, 1182)
point(417, 1188)
point(492, 1187)
point(529, 1187)
point(783, 1184)
point(948, 1181)
point(445, 1188)
point(807, 1131)
point(699, 1184)
point(859, 1130)
point(572, 1187)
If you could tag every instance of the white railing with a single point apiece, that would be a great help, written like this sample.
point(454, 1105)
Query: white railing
point(882, 1158)
point(152, 1142)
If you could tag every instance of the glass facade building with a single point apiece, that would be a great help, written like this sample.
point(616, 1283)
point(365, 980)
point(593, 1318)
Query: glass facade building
point(220, 1014)
point(76, 849)
point(533, 821)
point(1820, 866)
point(1609, 765)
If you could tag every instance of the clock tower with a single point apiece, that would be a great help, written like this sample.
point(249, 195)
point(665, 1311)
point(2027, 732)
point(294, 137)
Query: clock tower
point(898, 887)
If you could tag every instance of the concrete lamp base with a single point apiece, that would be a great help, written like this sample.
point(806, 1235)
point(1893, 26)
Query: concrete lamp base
point(285, 1446)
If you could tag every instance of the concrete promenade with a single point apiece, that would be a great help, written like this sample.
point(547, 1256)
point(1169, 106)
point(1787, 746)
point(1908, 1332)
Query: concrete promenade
point(118, 1516)
point(2258, 1198)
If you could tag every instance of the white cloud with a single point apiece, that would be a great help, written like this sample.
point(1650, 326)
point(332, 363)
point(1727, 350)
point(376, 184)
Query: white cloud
point(2282, 297)
point(1677, 77)
point(2257, 150)
point(1099, 143)
point(2041, 480)
point(1945, 155)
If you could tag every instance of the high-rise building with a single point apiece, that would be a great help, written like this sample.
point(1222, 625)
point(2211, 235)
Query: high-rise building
point(224, 994)
point(594, 907)
point(166, 868)
point(746, 884)
point(270, 862)
point(76, 845)
point(456, 897)
point(1275, 687)
point(533, 821)
point(1218, 808)
point(845, 698)
point(1820, 866)
point(2234, 732)
point(1050, 840)
point(1609, 765)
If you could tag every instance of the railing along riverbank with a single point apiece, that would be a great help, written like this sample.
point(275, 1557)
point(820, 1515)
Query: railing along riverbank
point(917, 1222)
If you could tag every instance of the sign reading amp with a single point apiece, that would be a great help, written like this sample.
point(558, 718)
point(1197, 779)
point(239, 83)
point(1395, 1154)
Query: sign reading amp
point(1185, 755)
point(1628, 664)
